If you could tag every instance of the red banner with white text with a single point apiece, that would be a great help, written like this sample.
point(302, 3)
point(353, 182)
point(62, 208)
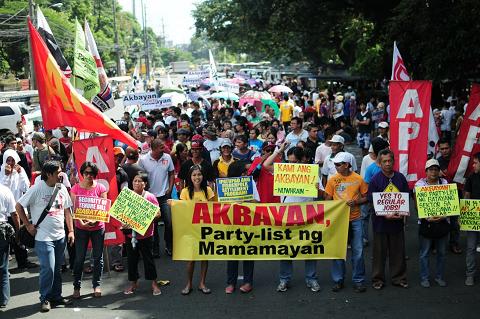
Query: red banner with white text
point(99, 150)
point(409, 122)
point(466, 143)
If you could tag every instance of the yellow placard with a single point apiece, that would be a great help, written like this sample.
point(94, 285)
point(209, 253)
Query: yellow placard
point(437, 200)
point(295, 180)
point(258, 231)
point(91, 208)
point(469, 214)
point(132, 209)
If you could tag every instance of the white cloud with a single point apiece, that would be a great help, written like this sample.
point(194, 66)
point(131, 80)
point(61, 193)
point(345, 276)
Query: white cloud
point(176, 14)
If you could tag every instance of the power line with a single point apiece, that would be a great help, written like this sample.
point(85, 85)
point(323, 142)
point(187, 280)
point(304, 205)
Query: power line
point(13, 16)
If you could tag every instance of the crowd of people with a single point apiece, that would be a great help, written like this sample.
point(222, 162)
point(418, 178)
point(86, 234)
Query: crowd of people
point(182, 150)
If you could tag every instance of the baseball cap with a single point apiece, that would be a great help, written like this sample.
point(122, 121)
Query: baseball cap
point(337, 139)
point(183, 131)
point(226, 142)
point(431, 162)
point(383, 125)
point(118, 150)
point(342, 157)
point(197, 144)
point(197, 137)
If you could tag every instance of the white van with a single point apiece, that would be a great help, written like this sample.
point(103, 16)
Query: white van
point(10, 114)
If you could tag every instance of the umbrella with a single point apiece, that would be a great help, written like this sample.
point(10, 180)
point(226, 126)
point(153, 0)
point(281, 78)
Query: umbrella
point(176, 97)
point(237, 81)
point(280, 89)
point(262, 95)
point(225, 96)
point(273, 105)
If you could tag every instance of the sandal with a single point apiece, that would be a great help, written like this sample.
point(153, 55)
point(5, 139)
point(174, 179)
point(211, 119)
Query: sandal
point(186, 291)
point(97, 292)
point(156, 292)
point(205, 290)
point(118, 268)
point(130, 290)
point(88, 270)
point(377, 285)
point(402, 284)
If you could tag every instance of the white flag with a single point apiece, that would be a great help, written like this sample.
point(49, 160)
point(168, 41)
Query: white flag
point(213, 67)
point(399, 71)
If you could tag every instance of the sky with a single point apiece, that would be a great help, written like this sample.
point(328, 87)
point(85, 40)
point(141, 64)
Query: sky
point(176, 14)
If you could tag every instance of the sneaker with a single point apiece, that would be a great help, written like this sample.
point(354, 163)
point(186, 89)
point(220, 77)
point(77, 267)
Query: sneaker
point(45, 306)
point(314, 286)
point(61, 302)
point(338, 286)
point(360, 288)
point(425, 283)
point(469, 281)
point(441, 282)
point(282, 286)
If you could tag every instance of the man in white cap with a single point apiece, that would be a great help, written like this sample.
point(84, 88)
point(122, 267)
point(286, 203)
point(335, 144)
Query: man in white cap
point(383, 131)
point(328, 169)
point(349, 186)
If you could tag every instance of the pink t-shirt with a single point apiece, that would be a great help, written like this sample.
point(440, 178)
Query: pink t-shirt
point(149, 233)
point(95, 191)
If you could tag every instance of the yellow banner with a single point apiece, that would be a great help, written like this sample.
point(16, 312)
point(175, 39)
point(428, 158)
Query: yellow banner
point(437, 200)
point(469, 214)
point(295, 180)
point(258, 231)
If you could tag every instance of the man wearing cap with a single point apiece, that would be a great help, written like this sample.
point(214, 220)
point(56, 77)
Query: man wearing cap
point(383, 131)
point(329, 169)
point(432, 169)
point(182, 137)
point(364, 127)
point(220, 165)
point(41, 152)
point(161, 177)
point(212, 143)
point(338, 109)
point(350, 187)
point(388, 234)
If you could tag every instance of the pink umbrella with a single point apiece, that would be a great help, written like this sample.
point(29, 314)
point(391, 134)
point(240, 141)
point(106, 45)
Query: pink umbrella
point(237, 81)
point(280, 89)
point(261, 95)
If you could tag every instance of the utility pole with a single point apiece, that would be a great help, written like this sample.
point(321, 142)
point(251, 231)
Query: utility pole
point(117, 47)
point(31, 13)
point(133, 10)
point(145, 38)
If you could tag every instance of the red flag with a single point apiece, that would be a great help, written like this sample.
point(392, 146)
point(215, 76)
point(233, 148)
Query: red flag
point(99, 150)
point(60, 103)
point(410, 107)
point(466, 144)
point(399, 71)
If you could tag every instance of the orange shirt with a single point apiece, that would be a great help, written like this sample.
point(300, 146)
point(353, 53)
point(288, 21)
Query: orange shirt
point(347, 188)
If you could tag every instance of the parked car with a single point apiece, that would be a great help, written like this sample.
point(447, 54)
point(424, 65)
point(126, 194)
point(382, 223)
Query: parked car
point(10, 114)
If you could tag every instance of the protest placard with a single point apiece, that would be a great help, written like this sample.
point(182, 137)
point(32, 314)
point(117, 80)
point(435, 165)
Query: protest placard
point(133, 210)
point(92, 208)
point(295, 180)
point(469, 214)
point(259, 231)
point(437, 200)
point(391, 203)
point(235, 189)
point(139, 98)
point(160, 103)
point(377, 116)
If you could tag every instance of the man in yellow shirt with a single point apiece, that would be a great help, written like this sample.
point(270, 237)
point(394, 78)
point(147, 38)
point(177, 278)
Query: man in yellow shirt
point(349, 186)
point(286, 111)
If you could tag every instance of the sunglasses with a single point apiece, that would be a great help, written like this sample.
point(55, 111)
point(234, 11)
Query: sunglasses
point(338, 164)
point(89, 173)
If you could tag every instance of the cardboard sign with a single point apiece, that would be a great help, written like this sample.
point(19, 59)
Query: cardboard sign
point(139, 98)
point(391, 203)
point(437, 200)
point(235, 189)
point(92, 208)
point(160, 103)
point(469, 214)
point(133, 210)
point(295, 180)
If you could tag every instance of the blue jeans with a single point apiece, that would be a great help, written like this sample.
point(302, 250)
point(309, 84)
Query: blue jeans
point(81, 245)
point(358, 263)
point(4, 275)
point(286, 270)
point(472, 239)
point(232, 272)
point(50, 256)
point(425, 246)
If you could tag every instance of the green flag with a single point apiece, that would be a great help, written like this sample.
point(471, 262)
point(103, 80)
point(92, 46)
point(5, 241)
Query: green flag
point(85, 74)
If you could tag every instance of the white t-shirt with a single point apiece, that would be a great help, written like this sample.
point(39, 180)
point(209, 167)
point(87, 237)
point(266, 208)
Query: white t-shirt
point(329, 169)
point(7, 203)
point(339, 108)
point(157, 172)
point(213, 147)
point(447, 116)
point(366, 162)
point(322, 152)
point(296, 110)
point(294, 139)
point(37, 198)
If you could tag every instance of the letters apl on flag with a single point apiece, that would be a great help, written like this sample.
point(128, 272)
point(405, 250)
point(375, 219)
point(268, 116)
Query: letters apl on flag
point(85, 74)
point(409, 122)
point(60, 103)
point(47, 35)
point(467, 141)
point(103, 100)
point(400, 73)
